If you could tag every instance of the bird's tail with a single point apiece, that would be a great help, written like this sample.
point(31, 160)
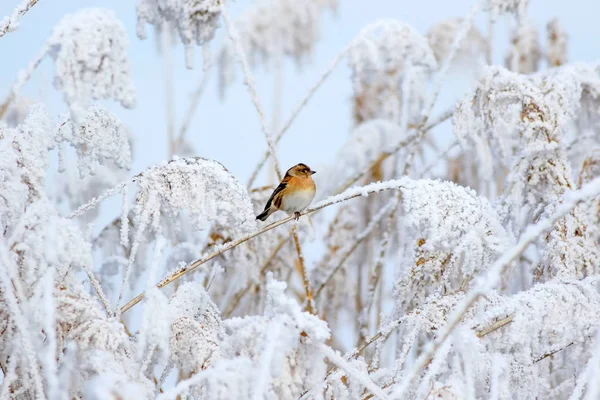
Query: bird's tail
point(264, 215)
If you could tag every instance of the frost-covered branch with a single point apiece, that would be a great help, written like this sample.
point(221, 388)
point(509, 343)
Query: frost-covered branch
point(346, 195)
point(10, 24)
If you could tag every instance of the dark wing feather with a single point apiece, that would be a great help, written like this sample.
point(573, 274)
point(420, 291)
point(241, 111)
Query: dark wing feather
point(278, 189)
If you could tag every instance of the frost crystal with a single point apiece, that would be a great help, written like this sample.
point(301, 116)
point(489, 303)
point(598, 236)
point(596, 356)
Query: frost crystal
point(196, 20)
point(90, 52)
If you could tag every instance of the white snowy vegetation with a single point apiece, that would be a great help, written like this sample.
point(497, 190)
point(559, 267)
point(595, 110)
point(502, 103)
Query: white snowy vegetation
point(439, 260)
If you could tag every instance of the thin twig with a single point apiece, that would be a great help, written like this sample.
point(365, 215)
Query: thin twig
point(310, 303)
point(497, 325)
point(347, 195)
point(241, 57)
point(540, 358)
point(12, 22)
point(22, 78)
point(361, 377)
point(98, 288)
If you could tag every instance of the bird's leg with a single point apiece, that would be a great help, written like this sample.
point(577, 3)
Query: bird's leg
point(296, 215)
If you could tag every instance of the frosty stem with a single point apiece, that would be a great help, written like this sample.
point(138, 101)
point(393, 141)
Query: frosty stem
point(13, 21)
point(310, 303)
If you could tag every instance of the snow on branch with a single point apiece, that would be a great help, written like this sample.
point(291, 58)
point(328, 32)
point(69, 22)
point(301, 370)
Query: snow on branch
point(11, 24)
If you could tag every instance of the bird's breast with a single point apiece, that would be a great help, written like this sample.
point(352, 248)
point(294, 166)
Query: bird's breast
point(297, 200)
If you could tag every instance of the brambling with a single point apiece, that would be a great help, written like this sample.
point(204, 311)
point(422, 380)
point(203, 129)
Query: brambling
point(294, 193)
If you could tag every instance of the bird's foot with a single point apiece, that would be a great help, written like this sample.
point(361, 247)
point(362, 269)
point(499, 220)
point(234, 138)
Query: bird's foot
point(296, 215)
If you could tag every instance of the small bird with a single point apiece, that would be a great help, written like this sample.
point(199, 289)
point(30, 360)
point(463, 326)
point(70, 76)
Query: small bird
point(294, 193)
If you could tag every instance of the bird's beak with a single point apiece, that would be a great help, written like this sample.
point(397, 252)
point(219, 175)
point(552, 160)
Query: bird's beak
point(313, 172)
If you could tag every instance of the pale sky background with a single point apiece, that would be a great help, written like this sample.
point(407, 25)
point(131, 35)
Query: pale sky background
point(230, 131)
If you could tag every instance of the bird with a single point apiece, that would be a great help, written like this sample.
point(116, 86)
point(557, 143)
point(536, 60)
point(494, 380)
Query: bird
point(294, 193)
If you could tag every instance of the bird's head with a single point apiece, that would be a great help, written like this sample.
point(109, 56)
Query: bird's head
point(300, 171)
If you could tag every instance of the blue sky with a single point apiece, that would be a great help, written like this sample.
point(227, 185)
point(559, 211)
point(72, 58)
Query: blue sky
point(229, 131)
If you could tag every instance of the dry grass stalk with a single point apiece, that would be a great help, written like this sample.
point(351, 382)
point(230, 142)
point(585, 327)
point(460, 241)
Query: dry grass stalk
point(310, 302)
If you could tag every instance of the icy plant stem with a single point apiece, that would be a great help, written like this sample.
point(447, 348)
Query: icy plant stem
point(50, 364)
point(98, 288)
point(490, 280)
point(10, 287)
point(249, 79)
point(375, 276)
point(270, 341)
point(22, 78)
point(347, 195)
point(352, 372)
point(11, 23)
point(310, 303)
point(96, 200)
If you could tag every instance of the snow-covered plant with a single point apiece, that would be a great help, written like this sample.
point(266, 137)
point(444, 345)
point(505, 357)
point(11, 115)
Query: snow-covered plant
point(271, 30)
point(89, 48)
point(99, 137)
point(390, 65)
point(442, 35)
point(525, 54)
point(470, 273)
point(450, 235)
point(558, 39)
point(196, 20)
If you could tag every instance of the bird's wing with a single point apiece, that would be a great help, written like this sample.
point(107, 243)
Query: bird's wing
point(277, 190)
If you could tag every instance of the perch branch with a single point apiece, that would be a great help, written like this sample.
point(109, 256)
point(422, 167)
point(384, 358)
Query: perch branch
point(347, 195)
